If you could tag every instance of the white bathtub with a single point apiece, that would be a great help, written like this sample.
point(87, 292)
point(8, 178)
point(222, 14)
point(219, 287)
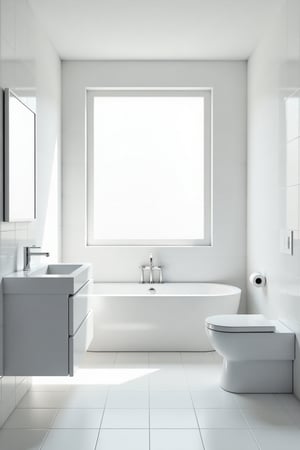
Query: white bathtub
point(130, 317)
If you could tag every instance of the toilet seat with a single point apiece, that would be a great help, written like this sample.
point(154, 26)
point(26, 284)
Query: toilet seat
point(240, 323)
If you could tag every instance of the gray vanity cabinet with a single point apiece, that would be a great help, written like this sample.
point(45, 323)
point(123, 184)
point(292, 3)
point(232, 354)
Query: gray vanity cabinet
point(45, 333)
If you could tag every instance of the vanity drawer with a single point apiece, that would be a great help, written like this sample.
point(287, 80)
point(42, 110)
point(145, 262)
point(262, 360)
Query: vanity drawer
point(79, 307)
point(79, 343)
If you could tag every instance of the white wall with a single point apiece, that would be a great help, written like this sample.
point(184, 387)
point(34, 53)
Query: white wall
point(273, 170)
point(225, 261)
point(30, 66)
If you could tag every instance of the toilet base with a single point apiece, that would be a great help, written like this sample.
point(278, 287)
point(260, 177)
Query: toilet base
point(257, 377)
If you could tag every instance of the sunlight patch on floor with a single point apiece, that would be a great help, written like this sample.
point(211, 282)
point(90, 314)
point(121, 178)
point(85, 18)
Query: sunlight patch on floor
point(98, 377)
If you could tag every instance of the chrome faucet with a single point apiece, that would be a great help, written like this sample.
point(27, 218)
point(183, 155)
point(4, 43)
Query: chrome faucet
point(151, 269)
point(28, 254)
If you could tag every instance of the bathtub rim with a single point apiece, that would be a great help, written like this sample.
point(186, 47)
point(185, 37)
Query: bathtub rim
point(90, 290)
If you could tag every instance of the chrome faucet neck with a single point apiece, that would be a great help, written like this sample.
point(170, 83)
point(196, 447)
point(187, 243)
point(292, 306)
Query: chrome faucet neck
point(28, 254)
point(150, 268)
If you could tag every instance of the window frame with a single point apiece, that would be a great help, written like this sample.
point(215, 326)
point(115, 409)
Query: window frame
point(207, 95)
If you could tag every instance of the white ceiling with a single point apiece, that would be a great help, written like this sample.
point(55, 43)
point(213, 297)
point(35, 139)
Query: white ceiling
point(154, 29)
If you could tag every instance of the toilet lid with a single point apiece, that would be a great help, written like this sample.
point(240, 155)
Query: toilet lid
point(240, 323)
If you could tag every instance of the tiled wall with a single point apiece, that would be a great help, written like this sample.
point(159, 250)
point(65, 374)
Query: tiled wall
point(30, 66)
point(273, 171)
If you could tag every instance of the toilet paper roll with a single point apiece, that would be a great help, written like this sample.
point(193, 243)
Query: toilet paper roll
point(257, 279)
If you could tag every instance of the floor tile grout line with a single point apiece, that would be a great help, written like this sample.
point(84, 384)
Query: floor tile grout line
point(54, 418)
point(251, 431)
point(48, 431)
point(244, 417)
point(190, 393)
point(44, 439)
point(104, 406)
point(143, 428)
point(149, 404)
point(137, 407)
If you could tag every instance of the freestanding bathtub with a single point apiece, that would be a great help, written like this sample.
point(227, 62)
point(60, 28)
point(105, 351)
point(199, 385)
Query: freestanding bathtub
point(158, 317)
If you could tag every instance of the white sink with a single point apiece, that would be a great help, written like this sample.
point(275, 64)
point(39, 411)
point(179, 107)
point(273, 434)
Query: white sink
point(56, 269)
point(48, 279)
point(62, 269)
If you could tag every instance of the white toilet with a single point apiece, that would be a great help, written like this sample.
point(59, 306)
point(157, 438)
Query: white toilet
point(258, 353)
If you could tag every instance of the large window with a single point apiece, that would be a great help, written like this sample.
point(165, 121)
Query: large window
point(149, 164)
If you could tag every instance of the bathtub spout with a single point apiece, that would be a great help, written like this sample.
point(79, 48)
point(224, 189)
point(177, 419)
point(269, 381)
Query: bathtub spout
point(150, 268)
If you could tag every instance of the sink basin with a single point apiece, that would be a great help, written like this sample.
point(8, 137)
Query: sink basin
point(54, 269)
point(48, 279)
point(62, 269)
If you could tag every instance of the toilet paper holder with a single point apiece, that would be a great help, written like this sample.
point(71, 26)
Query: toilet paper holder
point(258, 279)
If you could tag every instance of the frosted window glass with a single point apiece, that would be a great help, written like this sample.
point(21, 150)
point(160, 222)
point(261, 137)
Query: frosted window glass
point(148, 168)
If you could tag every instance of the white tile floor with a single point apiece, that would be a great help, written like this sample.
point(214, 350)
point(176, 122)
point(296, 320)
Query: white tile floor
point(149, 401)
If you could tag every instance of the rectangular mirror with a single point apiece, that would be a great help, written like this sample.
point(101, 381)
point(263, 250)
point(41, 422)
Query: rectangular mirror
point(19, 160)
